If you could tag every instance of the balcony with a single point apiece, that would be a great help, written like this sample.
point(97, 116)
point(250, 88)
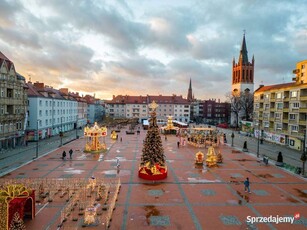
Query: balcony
point(302, 122)
point(285, 110)
point(303, 110)
point(303, 98)
point(286, 98)
point(285, 121)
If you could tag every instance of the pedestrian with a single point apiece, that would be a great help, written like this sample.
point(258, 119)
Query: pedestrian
point(246, 185)
point(70, 153)
point(64, 155)
point(121, 139)
point(178, 144)
point(117, 162)
point(165, 138)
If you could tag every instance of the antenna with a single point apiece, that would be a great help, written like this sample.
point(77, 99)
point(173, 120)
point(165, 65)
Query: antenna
point(244, 31)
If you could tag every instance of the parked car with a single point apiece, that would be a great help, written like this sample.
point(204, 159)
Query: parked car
point(223, 125)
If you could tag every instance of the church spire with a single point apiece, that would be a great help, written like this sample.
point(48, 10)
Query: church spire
point(243, 58)
point(190, 95)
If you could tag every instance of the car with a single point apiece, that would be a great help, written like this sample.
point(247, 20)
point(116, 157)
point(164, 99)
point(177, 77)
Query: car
point(223, 125)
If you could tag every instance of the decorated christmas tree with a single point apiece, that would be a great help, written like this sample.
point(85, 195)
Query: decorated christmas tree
point(17, 223)
point(152, 164)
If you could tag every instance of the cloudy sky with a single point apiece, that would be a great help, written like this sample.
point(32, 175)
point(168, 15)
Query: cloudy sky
point(139, 47)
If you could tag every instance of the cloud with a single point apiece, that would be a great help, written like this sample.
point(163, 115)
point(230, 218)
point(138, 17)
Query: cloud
point(143, 47)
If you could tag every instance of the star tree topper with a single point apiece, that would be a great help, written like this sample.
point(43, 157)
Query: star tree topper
point(153, 105)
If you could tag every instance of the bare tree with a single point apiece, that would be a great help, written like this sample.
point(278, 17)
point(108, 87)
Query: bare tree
point(247, 105)
point(242, 105)
point(235, 105)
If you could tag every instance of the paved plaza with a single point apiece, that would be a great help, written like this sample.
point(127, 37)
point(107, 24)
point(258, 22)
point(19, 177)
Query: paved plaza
point(192, 197)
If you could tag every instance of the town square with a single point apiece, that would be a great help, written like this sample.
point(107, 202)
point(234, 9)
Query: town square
point(128, 114)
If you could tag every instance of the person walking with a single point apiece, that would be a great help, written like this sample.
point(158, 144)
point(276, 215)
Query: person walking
point(70, 153)
point(246, 185)
point(64, 155)
point(117, 162)
point(178, 144)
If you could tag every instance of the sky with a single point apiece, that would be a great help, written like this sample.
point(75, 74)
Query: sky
point(151, 47)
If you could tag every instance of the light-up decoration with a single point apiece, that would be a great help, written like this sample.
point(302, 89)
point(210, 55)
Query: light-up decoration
point(211, 157)
point(94, 136)
point(199, 158)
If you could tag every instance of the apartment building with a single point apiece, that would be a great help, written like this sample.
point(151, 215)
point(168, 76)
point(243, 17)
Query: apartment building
point(50, 111)
point(81, 110)
point(137, 107)
point(95, 109)
point(280, 111)
point(13, 105)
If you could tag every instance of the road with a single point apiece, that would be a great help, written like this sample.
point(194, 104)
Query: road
point(290, 156)
point(14, 158)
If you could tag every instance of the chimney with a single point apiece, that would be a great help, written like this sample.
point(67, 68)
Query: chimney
point(260, 86)
point(39, 85)
point(64, 91)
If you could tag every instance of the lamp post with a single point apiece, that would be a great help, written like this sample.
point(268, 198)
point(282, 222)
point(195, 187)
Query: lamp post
point(77, 127)
point(61, 132)
point(232, 136)
point(304, 157)
point(258, 139)
point(37, 136)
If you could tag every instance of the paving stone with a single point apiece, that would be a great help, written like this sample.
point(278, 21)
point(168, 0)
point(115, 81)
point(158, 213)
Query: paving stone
point(42, 165)
point(110, 175)
point(79, 164)
point(277, 175)
point(156, 192)
point(159, 221)
point(260, 192)
point(67, 175)
point(194, 175)
point(230, 220)
point(236, 175)
point(208, 192)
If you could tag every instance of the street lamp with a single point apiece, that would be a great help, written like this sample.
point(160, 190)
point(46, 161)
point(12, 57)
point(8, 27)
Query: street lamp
point(304, 157)
point(232, 136)
point(77, 127)
point(61, 133)
point(258, 139)
point(37, 136)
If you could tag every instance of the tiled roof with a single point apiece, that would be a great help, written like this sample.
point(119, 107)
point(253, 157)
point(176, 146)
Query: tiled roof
point(126, 99)
point(4, 58)
point(275, 87)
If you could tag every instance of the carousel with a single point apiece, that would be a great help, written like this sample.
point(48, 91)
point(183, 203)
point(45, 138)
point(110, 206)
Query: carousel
point(95, 139)
point(169, 128)
point(201, 137)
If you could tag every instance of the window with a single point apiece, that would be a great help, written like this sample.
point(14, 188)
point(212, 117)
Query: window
point(278, 95)
point(266, 124)
point(294, 94)
point(278, 126)
point(279, 105)
point(294, 128)
point(277, 115)
point(292, 116)
point(295, 105)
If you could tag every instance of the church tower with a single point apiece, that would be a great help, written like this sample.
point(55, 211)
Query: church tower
point(243, 72)
point(190, 95)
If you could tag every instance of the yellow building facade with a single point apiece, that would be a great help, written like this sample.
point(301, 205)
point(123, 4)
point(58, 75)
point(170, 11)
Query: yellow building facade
point(280, 111)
